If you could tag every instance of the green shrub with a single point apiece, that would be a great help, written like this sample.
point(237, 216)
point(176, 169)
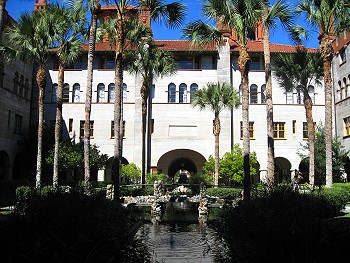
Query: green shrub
point(337, 197)
point(345, 186)
point(281, 226)
point(151, 178)
point(225, 193)
point(71, 227)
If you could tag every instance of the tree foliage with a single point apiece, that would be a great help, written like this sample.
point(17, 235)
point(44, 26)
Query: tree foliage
point(339, 155)
point(231, 166)
point(131, 173)
point(71, 157)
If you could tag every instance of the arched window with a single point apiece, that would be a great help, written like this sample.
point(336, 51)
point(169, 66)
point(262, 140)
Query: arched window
point(300, 97)
point(54, 93)
point(21, 86)
point(125, 90)
point(111, 93)
point(193, 89)
point(340, 91)
point(183, 93)
point(311, 90)
point(345, 88)
point(171, 93)
point(100, 92)
point(26, 88)
point(263, 94)
point(65, 93)
point(253, 94)
point(289, 97)
point(15, 83)
point(76, 92)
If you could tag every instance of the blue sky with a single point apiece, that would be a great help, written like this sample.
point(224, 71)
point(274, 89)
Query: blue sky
point(16, 7)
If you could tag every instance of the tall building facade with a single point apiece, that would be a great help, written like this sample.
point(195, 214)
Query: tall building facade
point(15, 108)
point(182, 136)
point(341, 91)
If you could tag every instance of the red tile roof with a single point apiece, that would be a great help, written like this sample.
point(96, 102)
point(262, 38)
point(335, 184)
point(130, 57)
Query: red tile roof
point(186, 45)
point(171, 45)
point(258, 46)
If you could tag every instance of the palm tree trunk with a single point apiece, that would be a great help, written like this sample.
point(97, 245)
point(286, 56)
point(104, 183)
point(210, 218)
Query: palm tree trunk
point(311, 137)
point(244, 63)
point(269, 107)
point(41, 82)
point(216, 131)
point(118, 109)
point(326, 50)
point(2, 9)
point(144, 96)
point(92, 40)
point(58, 124)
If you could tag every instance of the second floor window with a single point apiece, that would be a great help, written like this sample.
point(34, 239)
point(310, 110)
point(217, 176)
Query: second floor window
point(54, 93)
point(193, 89)
point(65, 93)
point(171, 93)
point(123, 130)
point(251, 130)
point(306, 130)
point(101, 93)
point(253, 94)
point(279, 131)
point(111, 92)
point(18, 124)
point(81, 135)
point(183, 93)
point(347, 126)
point(76, 93)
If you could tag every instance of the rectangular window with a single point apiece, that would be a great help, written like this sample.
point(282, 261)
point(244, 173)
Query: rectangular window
point(306, 130)
point(294, 126)
point(342, 56)
point(279, 131)
point(70, 125)
point(112, 130)
point(251, 129)
point(82, 129)
point(347, 126)
point(18, 124)
point(256, 64)
point(9, 119)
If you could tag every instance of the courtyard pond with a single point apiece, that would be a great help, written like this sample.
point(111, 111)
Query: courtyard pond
point(179, 235)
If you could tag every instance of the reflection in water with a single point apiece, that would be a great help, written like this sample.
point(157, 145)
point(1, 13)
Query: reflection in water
point(180, 242)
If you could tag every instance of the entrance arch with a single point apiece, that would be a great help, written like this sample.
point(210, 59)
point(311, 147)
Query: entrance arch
point(4, 165)
point(108, 169)
point(282, 170)
point(181, 159)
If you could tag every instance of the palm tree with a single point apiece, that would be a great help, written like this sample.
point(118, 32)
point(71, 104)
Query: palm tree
point(216, 97)
point(297, 71)
point(32, 37)
point(150, 62)
point(280, 11)
point(240, 16)
point(94, 7)
point(69, 26)
point(330, 18)
point(2, 11)
point(117, 34)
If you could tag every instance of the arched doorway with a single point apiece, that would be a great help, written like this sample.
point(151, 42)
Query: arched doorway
point(282, 170)
point(4, 165)
point(173, 161)
point(108, 169)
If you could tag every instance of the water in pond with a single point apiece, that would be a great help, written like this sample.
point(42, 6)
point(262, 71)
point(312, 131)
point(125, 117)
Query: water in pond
point(180, 237)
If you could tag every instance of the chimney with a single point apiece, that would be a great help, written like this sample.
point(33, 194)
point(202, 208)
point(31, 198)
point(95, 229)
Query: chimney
point(145, 16)
point(40, 5)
